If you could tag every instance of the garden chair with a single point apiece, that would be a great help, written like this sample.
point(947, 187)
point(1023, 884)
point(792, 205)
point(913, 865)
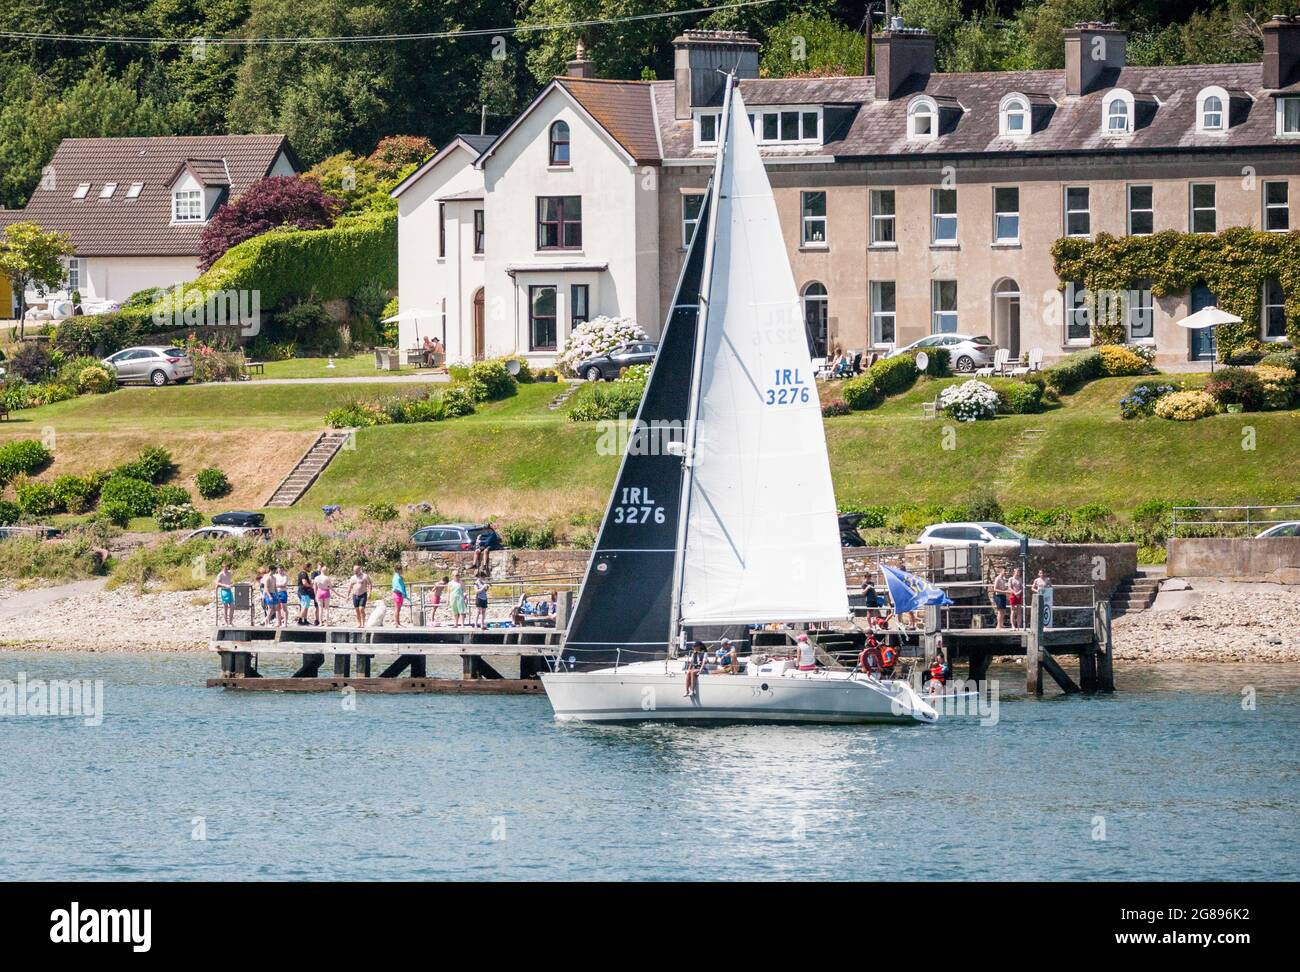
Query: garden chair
point(1000, 357)
point(1035, 363)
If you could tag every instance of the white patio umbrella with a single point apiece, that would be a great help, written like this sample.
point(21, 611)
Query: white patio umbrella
point(414, 314)
point(1208, 317)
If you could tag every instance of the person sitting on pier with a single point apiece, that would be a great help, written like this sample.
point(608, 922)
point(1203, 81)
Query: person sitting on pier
point(727, 657)
point(806, 654)
point(696, 665)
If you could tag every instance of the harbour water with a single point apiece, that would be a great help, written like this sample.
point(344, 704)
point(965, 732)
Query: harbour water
point(1189, 772)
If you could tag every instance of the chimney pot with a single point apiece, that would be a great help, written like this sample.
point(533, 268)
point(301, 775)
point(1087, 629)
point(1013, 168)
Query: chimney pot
point(1094, 54)
point(902, 53)
point(580, 66)
point(1281, 51)
point(701, 60)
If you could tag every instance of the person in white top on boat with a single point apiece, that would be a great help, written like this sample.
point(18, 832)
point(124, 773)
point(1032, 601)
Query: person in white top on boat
point(695, 666)
point(807, 654)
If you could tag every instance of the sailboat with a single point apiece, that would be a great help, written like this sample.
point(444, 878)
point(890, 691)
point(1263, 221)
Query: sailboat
point(723, 513)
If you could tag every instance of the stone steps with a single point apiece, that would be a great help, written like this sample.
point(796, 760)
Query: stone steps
point(308, 468)
point(1136, 593)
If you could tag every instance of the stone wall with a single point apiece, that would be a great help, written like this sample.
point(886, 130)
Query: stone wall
point(1104, 565)
point(1273, 559)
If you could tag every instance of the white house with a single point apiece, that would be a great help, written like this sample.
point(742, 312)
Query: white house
point(135, 208)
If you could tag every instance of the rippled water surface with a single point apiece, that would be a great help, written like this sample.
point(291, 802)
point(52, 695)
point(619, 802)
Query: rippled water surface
point(1171, 778)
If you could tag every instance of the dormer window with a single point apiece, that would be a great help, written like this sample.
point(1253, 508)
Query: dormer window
point(922, 119)
point(706, 127)
point(1288, 117)
point(187, 206)
point(108, 190)
point(1015, 121)
point(787, 126)
point(560, 143)
point(81, 191)
point(1212, 110)
point(1118, 113)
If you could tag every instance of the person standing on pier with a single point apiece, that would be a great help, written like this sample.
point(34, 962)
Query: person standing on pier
point(226, 594)
point(459, 614)
point(281, 596)
point(306, 594)
point(480, 600)
point(1016, 598)
point(322, 581)
point(399, 595)
point(359, 588)
point(271, 600)
point(1001, 589)
point(435, 599)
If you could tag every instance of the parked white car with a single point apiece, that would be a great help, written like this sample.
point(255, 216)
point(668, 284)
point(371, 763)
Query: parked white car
point(965, 534)
point(1288, 529)
point(156, 365)
point(966, 353)
point(218, 532)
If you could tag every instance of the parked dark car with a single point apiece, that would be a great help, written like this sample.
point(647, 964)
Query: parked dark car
point(849, 536)
point(239, 518)
point(607, 366)
point(454, 536)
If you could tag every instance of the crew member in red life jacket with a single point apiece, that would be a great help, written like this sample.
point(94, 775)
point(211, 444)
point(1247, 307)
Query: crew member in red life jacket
point(888, 659)
point(938, 673)
point(869, 660)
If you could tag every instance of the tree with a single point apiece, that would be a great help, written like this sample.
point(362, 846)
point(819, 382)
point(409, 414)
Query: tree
point(272, 203)
point(32, 257)
point(804, 44)
point(396, 152)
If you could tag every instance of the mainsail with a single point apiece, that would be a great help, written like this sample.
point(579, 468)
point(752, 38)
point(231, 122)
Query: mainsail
point(761, 534)
point(623, 613)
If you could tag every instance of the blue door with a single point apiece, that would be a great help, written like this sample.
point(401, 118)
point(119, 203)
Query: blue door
point(1202, 338)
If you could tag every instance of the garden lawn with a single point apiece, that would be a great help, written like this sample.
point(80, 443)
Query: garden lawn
point(347, 366)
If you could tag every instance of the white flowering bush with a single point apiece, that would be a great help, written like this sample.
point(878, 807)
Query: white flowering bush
point(597, 336)
point(969, 402)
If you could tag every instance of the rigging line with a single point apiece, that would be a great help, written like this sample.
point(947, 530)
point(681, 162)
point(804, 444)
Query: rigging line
point(366, 38)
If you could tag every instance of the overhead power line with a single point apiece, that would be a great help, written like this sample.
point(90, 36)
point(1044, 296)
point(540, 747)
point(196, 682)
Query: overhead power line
point(230, 41)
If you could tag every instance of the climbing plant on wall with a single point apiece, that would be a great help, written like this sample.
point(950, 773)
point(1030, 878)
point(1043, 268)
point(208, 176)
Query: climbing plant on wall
point(1234, 265)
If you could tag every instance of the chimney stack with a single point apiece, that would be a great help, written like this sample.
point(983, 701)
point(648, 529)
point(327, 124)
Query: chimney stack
point(1281, 51)
point(901, 53)
point(701, 60)
point(1094, 53)
point(580, 67)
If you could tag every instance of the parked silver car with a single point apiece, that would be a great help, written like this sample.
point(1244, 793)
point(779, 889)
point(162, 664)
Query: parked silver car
point(1289, 529)
point(965, 353)
point(993, 536)
point(157, 365)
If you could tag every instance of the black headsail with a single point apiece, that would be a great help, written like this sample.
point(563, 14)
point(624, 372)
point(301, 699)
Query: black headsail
point(623, 612)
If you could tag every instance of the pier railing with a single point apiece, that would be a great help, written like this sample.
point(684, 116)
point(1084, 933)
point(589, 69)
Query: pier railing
point(1067, 606)
point(1230, 521)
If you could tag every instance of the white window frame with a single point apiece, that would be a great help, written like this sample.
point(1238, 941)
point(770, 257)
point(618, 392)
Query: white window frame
point(999, 215)
point(1117, 96)
point(1265, 306)
point(688, 224)
point(82, 190)
point(1283, 103)
point(937, 314)
point(880, 316)
point(1193, 209)
point(187, 206)
point(1204, 112)
point(108, 190)
point(135, 190)
point(699, 127)
point(1137, 300)
point(935, 216)
point(1129, 210)
point(1071, 315)
point(758, 118)
point(808, 224)
point(1018, 106)
point(74, 269)
point(1284, 206)
point(884, 219)
point(1086, 211)
point(923, 107)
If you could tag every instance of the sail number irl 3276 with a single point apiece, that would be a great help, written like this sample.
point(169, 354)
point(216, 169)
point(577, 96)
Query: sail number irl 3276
point(788, 388)
point(635, 506)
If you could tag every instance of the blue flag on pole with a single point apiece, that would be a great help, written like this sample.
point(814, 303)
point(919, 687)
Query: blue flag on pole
point(909, 592)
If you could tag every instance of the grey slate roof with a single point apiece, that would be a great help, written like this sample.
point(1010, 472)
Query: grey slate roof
point(1062, 125)
point(120, 226)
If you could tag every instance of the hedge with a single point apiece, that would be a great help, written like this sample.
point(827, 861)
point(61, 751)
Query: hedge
point(1234, 264)
point(27, 456)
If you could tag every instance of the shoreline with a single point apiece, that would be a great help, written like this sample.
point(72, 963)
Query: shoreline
point(1208, 622)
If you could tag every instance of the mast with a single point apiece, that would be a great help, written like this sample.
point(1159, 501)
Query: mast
point(692, 417)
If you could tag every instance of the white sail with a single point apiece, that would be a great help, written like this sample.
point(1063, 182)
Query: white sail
point(762, 535)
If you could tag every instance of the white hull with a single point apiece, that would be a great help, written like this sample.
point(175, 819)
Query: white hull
point(635, 694)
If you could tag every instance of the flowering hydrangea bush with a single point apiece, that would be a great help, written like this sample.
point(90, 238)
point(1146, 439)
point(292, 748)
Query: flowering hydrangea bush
point(1141, 401)
point(1186, 406)
point(969, 402)
point(598, 336)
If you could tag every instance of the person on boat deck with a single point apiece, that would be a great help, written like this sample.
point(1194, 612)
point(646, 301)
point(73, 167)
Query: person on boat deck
point(806, 653)
point(696, 663)
point(939, 671)
point(727, 658)
point(888, 660)
point(869, 660)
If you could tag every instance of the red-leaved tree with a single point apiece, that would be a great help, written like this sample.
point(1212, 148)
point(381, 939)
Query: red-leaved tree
point(266, 205)
point(396, 151)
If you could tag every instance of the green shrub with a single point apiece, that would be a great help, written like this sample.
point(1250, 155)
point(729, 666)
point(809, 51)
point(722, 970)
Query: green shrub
point(1091, 513)
point(893, 376)
point(76, 494)
point(488, 381)
point(211, 483)
point(457, 402)
point(1021, 398)
point(379, 512)
point(983, 507)
point(10, 512)
point(173, 496)
point(1186, 406)
point(862, 393)
point(600, 402)
point(178, 516)
point(1074, 371)
point(308, 326)
point(1118, 361)
point(115, 512)
point(25, 456)
point(137, 495)
point(95, 380)
point(1277, 386)
point(938, 363)
point(1237, 386)
point(153, 465)
point(835, 406)
point(37, 498)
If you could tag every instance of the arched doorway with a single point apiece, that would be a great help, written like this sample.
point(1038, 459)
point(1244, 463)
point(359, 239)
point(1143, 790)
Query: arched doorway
point(816, 317)
point(480, 326)
point(1006, 316)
